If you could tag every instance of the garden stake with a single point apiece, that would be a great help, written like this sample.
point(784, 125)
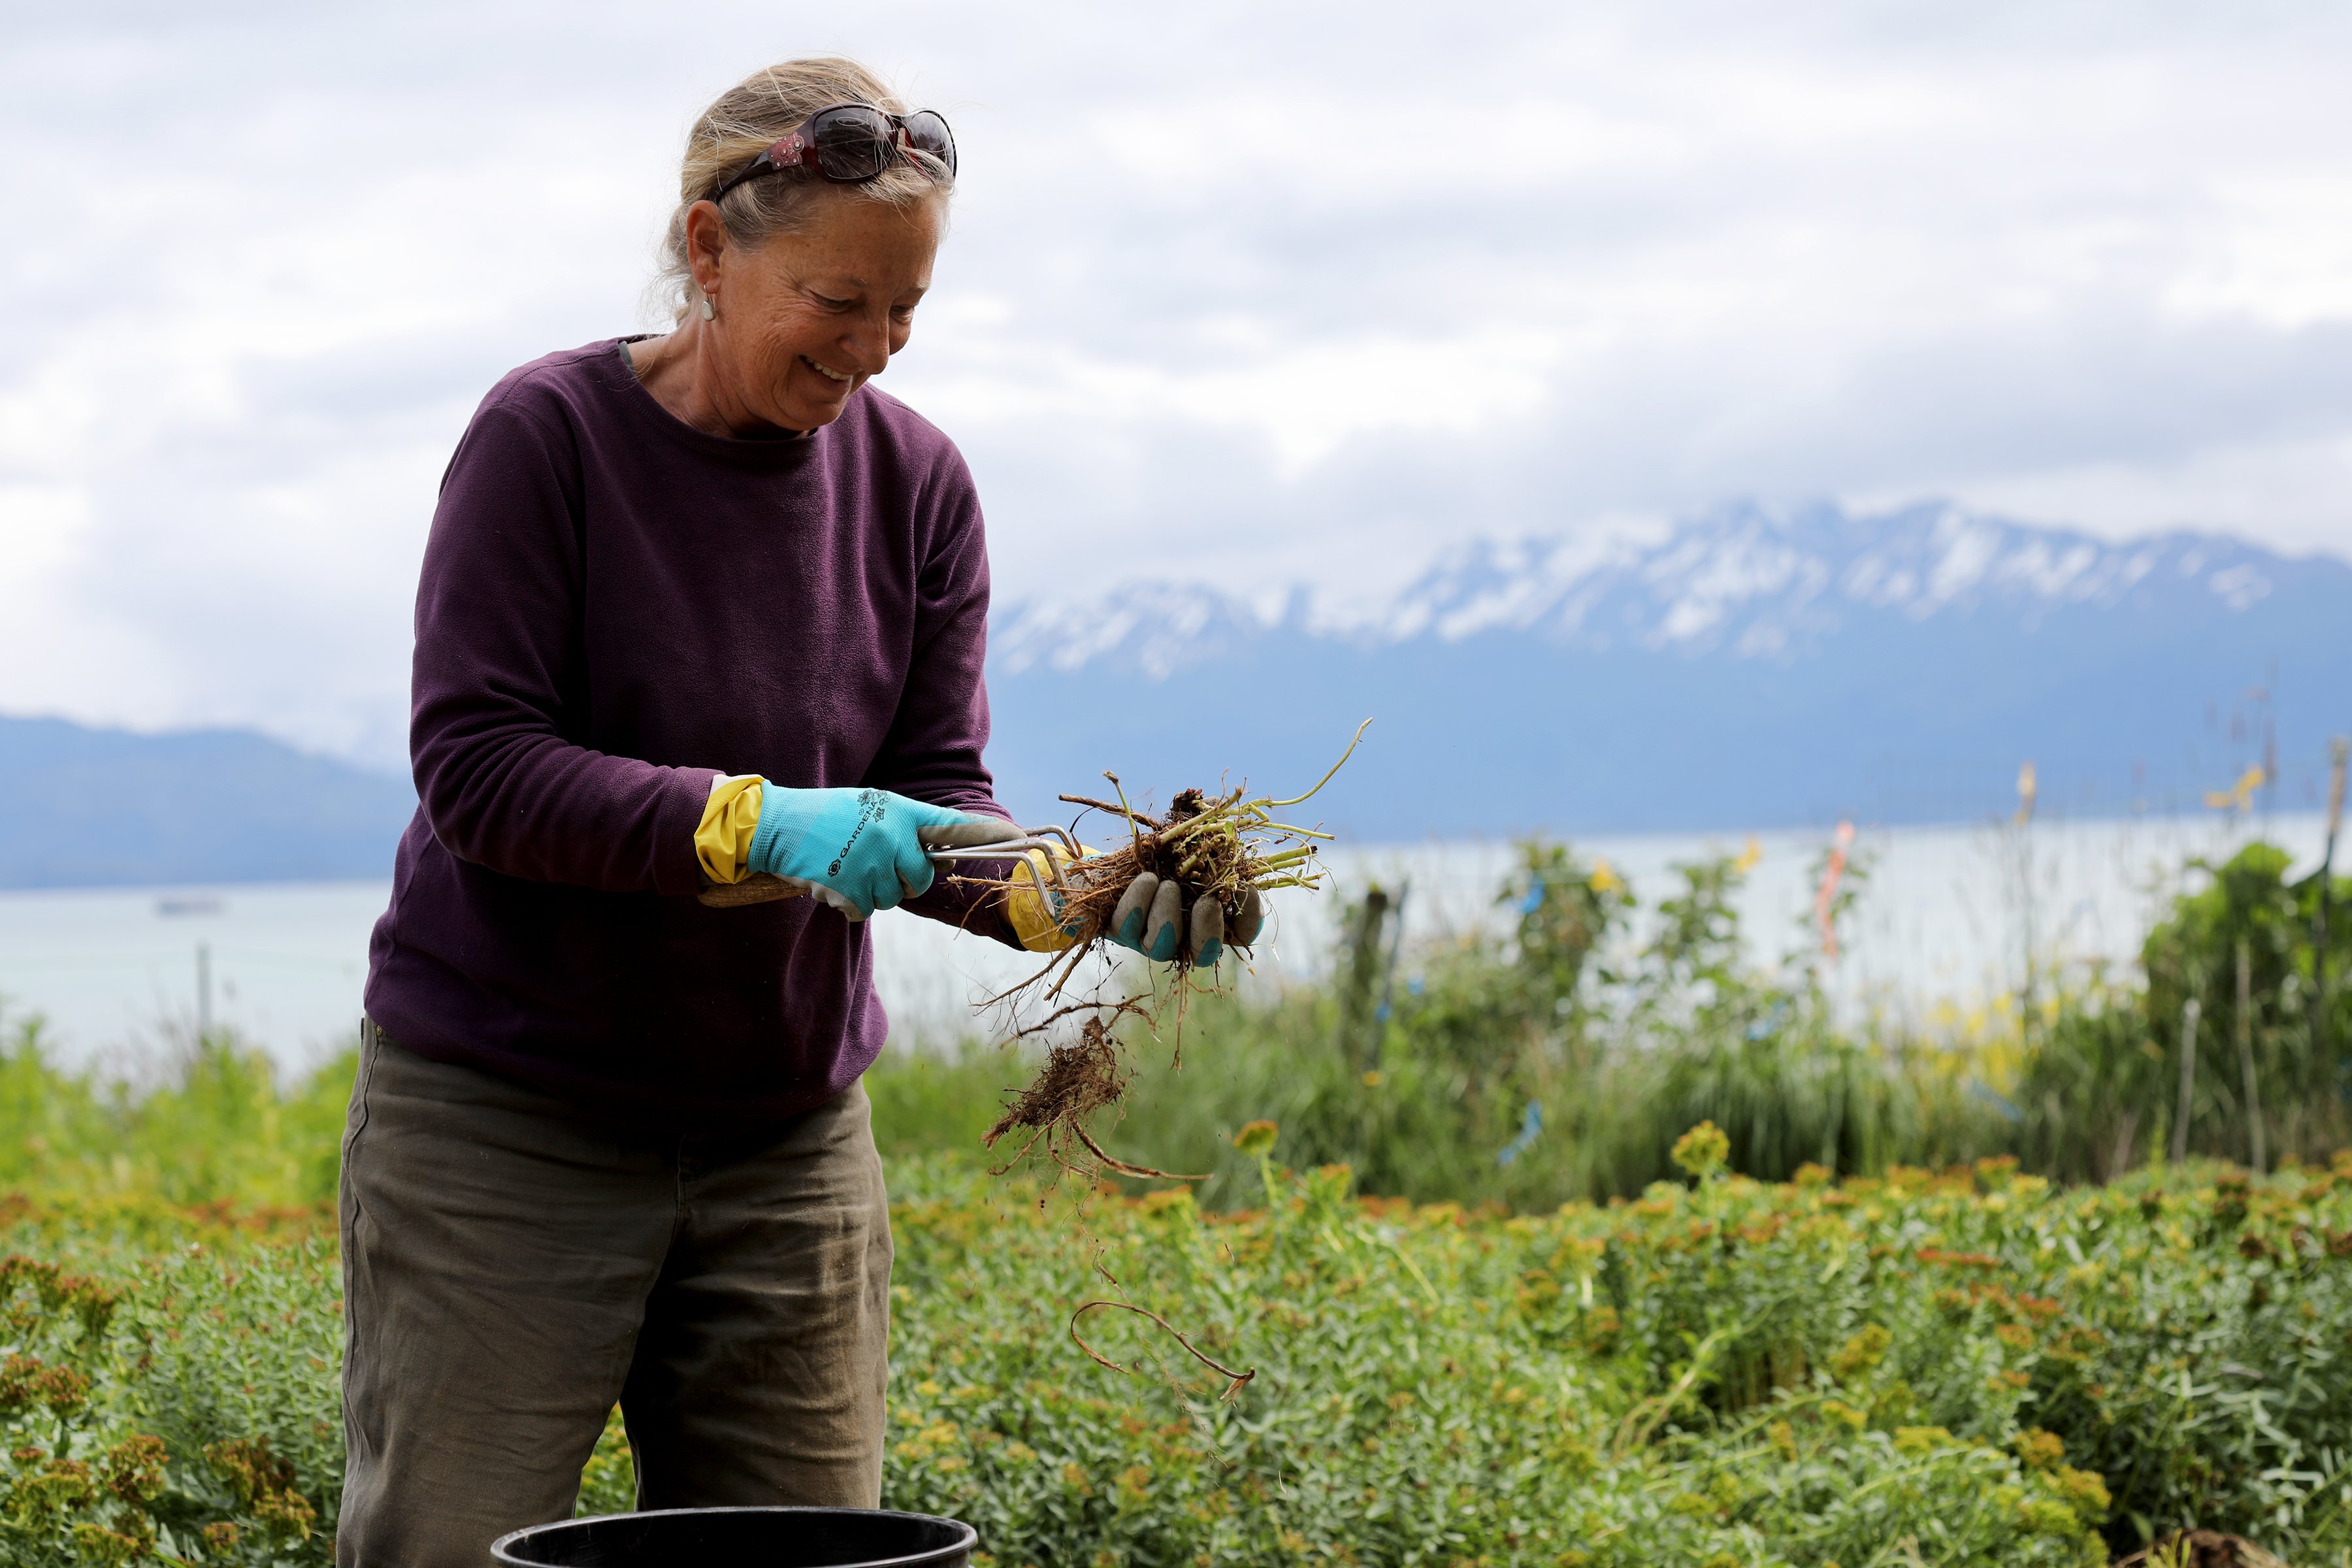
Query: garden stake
point(2335, 753)
point(2246, 1051)
point(2188, 1012)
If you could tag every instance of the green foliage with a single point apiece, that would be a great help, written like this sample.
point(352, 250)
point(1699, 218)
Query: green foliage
point(1558, 1061)
point(1989, 1367)
point(1975, 1361)
point(940, 1099)
point(220, 1126)
point(1968, 1367)
point(1567, 913)
point(167, 1391)
point(2094, 1095)
point(2248, 907)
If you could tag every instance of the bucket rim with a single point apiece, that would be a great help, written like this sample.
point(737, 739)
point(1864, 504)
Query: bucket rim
point(970, 1537)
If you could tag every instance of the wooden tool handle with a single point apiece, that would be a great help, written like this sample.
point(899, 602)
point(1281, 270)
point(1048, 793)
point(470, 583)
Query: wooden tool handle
point(756, 889)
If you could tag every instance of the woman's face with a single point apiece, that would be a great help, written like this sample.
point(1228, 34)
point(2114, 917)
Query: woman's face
point(805, 320)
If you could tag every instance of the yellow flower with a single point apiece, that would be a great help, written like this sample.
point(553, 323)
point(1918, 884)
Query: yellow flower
point(1919, 1439)
point(1862, 1353)
point(2086, 1490)
point(2040, 1450)
point(2044, 1518)
point(1255, 1139)
point(1603, 879)
point(2238, 795)
point(1704, 1150)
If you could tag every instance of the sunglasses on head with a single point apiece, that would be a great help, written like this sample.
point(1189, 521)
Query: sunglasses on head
point(850, 143)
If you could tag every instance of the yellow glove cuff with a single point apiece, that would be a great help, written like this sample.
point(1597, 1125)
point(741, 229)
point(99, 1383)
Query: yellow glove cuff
point(1031, 904)
point(722, 840)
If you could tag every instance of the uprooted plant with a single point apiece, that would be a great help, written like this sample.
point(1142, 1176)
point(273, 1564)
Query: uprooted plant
point(1182, 886)
point(1200, 872)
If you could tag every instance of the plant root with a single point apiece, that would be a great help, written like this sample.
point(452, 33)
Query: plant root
point(1078, 1078)
point(1228, 848)
point(1235, 1381)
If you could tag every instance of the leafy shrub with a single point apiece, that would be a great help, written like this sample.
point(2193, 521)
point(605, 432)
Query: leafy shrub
point(218, 1124)
point(1973, 1362)
point(176, 1404)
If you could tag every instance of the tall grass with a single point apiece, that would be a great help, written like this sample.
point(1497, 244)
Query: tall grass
point(1554, 1060)
point(218, 1122)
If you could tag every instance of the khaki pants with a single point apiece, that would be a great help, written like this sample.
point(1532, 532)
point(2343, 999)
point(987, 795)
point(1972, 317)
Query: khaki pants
point(511, 1271)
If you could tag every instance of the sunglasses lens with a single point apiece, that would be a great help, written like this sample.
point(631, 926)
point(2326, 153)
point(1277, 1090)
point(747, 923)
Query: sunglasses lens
point(853, 142)
point(929, 133)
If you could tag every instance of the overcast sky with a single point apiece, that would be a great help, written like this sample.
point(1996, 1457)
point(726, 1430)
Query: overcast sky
point(1257, 293)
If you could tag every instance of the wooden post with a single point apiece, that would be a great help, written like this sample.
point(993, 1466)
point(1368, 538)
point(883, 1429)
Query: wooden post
point(1357, 1041)
point(2119, 1161)
point(2029, 790)
point(2319, 1047)
point(2246, 1050)
point(1396, 949)
point(2188, 1013)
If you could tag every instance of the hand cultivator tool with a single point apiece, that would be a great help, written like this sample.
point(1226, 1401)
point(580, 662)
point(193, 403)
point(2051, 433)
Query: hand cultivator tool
point(962, 841)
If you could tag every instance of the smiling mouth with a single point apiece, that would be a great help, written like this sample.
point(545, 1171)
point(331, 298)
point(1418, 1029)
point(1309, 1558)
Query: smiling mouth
point(828, 375)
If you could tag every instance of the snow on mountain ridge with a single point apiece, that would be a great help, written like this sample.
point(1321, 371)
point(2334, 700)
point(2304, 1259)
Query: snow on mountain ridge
point(1752, 581)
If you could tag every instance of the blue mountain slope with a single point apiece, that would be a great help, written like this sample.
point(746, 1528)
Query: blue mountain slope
point(86, 807)
point(1758, 667)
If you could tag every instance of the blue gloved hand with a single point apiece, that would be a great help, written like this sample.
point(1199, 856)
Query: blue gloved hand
point(1150, 920)
point(859, 849)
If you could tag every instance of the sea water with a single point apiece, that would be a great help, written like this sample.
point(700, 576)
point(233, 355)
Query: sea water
point(1945, 916)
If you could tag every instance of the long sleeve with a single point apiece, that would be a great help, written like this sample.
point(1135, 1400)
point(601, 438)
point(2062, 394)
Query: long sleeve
point(933, 749)
point(617, 612)
point(499, 778)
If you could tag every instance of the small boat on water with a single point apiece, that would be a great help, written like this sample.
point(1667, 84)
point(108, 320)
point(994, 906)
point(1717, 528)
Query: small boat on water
point(193, 904)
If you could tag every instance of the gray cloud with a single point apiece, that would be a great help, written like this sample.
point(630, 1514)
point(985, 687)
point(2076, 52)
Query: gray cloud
point(1292, 291)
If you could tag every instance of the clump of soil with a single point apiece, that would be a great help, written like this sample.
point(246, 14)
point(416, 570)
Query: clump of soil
point(1079, 1077)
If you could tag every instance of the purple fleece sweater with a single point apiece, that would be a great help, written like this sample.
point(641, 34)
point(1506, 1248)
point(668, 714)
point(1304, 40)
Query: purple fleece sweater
point(614, 608)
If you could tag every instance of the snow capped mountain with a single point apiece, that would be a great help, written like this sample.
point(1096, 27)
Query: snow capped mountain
point(1748, 581)
point(1754, 666)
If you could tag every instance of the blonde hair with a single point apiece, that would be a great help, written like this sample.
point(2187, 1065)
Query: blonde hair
point(739, 126)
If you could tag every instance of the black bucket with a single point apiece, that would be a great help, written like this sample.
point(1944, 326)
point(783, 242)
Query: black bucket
point(722, 1537)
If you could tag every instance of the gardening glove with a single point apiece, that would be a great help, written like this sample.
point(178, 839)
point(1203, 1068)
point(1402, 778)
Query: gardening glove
point(1036, 905)
point(1150, 920)
point(860, 849)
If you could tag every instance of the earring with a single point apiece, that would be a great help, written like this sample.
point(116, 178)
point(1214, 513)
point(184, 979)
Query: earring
point(709, 314)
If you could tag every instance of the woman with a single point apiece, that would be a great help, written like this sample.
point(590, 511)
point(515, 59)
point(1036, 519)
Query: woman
point(695, 607)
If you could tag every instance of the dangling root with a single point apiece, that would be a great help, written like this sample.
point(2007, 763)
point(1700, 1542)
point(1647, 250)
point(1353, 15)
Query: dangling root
point(1228, 849)
point(1225, 848)
point(1076, 1080)
point(1236, 1380)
